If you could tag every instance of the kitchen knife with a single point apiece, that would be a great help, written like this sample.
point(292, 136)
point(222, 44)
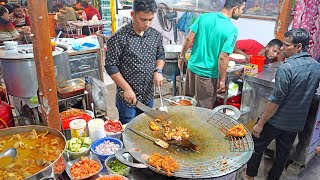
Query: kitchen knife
point(162, 115)
point(157, 141)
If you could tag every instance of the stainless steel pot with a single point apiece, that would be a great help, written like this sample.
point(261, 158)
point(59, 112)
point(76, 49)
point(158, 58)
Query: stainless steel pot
point(48, 172)
point(62, 68)
point(172, 51)
point(19, 70)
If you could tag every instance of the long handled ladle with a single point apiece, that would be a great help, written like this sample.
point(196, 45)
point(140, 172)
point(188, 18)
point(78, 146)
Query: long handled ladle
point(176, 103)
point(12, 152)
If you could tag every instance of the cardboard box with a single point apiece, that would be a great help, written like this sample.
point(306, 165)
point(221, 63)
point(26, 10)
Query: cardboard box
point(250, 69)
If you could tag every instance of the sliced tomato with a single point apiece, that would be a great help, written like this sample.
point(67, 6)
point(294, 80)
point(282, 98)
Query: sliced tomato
point(113, 126)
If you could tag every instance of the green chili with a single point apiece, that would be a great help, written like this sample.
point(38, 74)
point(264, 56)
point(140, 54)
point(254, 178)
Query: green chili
point(117, 166)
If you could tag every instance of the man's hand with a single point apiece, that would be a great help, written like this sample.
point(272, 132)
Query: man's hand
point(26, 12)
point(180, 64)
point(257, 130)
point(18, 20)
point(157, 79)
point(221, 86)
point(130, 96)
point(248, 57)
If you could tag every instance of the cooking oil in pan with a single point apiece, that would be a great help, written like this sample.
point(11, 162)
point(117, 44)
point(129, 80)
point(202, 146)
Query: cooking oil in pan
point(211, 142)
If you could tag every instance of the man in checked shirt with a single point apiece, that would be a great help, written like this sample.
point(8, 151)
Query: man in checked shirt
point(285, 114)
point(134, 60)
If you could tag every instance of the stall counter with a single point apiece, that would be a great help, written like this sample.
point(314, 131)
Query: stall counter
point(255, 93)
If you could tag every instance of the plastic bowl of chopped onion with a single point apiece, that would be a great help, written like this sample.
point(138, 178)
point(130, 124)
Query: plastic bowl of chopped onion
point(105, 147)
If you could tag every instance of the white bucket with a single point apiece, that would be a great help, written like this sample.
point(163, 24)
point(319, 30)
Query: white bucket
point(96, 129)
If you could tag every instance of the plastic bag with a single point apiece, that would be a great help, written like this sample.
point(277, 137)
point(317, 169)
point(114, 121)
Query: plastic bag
point(95, 18)
point(89, 42)
point(99, 94)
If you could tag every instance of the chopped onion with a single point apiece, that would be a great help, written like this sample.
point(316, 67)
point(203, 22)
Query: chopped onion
point(107, 147)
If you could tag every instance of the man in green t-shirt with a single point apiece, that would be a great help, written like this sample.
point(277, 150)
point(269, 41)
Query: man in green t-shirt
point(214, 38)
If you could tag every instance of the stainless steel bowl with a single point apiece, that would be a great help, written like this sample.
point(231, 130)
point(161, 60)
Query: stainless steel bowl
point(178, 98)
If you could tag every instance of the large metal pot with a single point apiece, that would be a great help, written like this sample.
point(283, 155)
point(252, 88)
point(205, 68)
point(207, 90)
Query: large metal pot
point(48, 172)
point(19, 70)
point(205, 126)
point(172, 51)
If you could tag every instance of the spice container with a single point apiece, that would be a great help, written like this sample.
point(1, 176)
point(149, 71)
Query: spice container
point(250, 69)
point(78, 128)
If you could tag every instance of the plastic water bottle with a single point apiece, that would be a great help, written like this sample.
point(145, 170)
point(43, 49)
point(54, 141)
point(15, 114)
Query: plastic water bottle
point(84, 16)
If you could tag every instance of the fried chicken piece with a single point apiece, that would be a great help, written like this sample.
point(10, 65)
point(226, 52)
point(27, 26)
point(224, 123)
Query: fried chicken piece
point(155, 160)
point(237, 131)
point(177, 133)
point(154, 126)
point(167, 163)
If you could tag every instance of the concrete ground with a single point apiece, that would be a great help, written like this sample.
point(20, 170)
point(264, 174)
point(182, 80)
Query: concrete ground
point(310, 172)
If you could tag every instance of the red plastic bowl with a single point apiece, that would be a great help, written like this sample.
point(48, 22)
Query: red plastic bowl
point(66, 122)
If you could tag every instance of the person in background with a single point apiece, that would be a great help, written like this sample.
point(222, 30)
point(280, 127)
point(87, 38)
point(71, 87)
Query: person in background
point(89, 10)
point(7, 29)
point(64, 15)
point(210, 52)
point(249, 47)
point(19, 17)
point(6, 5)
point(89, 13)
point(134, 60)
point(285, 114)
point(77, 7)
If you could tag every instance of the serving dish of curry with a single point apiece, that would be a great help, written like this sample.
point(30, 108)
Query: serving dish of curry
point(37, 150)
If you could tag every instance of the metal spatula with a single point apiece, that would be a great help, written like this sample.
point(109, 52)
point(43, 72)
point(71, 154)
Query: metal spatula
point(162, 107)
point(157, 141)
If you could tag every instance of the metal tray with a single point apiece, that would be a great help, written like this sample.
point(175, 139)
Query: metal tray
point(70, 87)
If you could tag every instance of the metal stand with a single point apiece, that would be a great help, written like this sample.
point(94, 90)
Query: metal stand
point(171, 71)
point(233, 74)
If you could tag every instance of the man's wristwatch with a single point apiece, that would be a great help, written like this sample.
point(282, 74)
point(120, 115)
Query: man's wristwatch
point(182, 58)
point(158, 70)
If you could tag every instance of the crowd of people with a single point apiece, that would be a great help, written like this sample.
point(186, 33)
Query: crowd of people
point(14, 17)
point(81, 10)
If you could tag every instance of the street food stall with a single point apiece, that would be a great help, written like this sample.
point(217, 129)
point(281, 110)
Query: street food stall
point(191, 143)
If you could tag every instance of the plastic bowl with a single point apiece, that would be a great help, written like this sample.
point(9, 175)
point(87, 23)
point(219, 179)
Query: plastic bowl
point(103, 157)
point(76, 155)
point(111, 177)
point(178, 98)
point(123, 172)
point(115, 134)
point(10, 45)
